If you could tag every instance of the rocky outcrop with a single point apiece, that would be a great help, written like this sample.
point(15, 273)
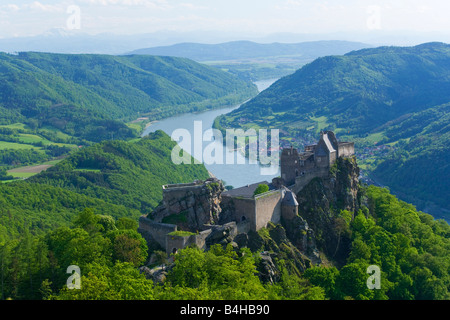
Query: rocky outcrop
point(191, 206)
point(322, 203)
point(268, 272)
point(274, 246)
point(302, 237)
point(157, 274)
point(222, 234)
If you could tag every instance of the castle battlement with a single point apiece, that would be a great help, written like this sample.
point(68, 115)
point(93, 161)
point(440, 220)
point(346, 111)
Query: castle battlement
point(322, 155)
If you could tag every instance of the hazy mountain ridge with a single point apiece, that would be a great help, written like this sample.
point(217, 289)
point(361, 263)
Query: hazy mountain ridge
point(239, 50)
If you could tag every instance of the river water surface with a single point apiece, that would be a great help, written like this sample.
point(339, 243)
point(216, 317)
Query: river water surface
point(237, 174)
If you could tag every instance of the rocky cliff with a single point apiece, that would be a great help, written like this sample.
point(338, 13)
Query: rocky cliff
point(191, 206)
point(328, 205)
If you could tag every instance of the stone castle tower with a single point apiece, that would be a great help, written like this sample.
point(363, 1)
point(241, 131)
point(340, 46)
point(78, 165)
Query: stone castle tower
point(207, 209)
point(315, 158)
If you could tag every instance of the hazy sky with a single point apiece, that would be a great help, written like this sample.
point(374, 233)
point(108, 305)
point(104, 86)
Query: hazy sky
point(24, 18)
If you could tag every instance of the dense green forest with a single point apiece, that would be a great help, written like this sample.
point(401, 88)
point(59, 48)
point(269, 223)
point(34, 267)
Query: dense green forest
point(420, 157)
point(410, 247)
point(122, 173)
point(395, 97)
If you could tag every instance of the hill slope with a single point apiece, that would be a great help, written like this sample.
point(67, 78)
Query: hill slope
point(123, 173)
point(361, 90)
point(255, 61)
point(83, 95)
point(115, 178)
point(390, 95)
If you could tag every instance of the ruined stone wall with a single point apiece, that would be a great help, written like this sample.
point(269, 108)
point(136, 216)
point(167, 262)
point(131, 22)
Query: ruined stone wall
point(346, 149)
point(289, 165)
point(332, 158)
point(175, 243)
point(268, 208)
point(238, 209)
point(302, 181)
point(200, 239)
point(157, 231)
point(289, 212)
point(191, 205)
point(243, 226)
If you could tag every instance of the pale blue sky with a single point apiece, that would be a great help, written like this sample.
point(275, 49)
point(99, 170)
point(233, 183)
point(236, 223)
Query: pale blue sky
point(24, 18)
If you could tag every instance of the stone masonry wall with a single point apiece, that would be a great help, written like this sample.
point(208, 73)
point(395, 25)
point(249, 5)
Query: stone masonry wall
point(196, 204)
point(157, 231)
point(268, 208)
point(303, 180)
point(346, 149)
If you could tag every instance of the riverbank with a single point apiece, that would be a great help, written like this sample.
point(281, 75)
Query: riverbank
point(239, 173)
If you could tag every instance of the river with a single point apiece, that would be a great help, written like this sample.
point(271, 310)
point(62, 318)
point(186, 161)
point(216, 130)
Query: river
point(242, 172)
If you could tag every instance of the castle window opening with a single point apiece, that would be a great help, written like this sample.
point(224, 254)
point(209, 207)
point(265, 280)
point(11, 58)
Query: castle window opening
point(243, 218)
point(174, 250)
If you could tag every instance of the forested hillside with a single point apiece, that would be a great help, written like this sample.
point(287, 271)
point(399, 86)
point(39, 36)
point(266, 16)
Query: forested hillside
point(123, 173)
point(421, 158)
point(390, 97)
point(85, 95)
point(361, 90)
point(111, 183)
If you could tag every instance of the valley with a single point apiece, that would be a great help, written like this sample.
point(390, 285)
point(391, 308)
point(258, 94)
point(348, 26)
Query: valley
point(392, 101)
point(85, 156)
point(254, 61)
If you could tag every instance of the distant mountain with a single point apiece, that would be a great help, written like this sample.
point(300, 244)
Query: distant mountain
point(361, 90)
point(388, 95)
point(239, 50)
point(254, 61)
point(60, 40)
point(84, 95)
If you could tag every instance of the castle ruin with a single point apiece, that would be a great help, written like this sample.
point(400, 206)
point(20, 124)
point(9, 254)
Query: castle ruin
point(208, 211)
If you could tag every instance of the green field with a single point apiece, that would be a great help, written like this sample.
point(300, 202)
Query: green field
point(17, 146)
point(20, 126)
point(322, 122)
point(32, 138)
